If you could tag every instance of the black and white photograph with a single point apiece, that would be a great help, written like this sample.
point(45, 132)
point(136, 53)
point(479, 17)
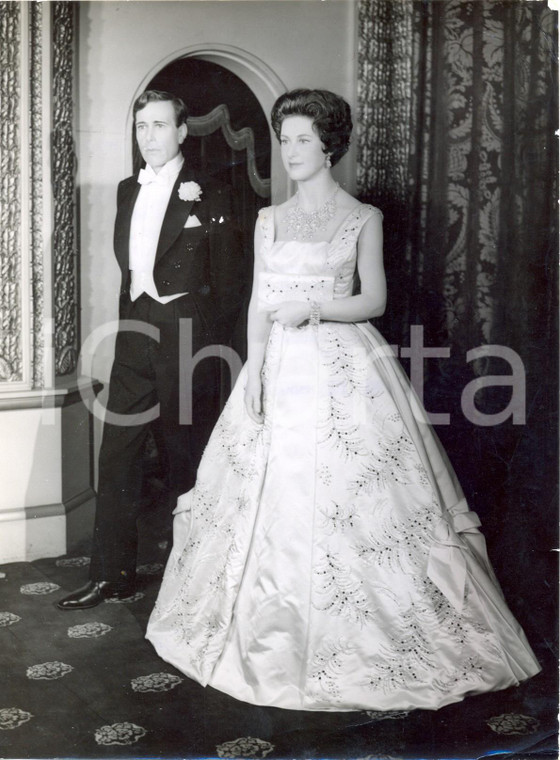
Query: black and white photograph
point(279, 367)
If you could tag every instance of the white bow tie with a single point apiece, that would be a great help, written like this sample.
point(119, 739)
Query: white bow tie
point(145, 177)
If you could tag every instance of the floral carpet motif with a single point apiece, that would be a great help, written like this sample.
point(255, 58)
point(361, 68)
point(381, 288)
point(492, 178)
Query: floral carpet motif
point(87, 684)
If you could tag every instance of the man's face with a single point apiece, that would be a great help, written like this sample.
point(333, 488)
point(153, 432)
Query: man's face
point(157, 134)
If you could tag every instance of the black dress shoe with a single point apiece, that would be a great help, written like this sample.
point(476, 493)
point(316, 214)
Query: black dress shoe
point(93, 593)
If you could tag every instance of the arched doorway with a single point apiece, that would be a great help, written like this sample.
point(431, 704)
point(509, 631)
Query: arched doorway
point(255, 73)
point(204, 86)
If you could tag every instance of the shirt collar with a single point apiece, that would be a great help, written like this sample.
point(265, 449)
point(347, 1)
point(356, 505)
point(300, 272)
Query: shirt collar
point(168, 173)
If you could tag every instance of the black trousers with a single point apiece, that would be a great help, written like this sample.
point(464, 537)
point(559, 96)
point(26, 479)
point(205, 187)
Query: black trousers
point(144, 389)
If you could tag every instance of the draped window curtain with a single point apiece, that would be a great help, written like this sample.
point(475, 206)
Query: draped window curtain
point(456, 120)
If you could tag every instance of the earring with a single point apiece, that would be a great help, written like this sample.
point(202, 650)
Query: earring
point(328, 163)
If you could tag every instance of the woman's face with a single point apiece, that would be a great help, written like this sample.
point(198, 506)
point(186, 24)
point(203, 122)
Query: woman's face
point(302, 150)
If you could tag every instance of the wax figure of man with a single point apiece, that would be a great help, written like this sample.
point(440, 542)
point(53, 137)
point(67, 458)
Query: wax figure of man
point(180, 257)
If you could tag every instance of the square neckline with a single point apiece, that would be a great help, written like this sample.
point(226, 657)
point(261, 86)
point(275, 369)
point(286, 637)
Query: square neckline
point(340, 227)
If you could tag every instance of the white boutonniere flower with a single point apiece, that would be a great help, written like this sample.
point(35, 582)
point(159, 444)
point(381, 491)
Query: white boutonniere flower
point(190, 191)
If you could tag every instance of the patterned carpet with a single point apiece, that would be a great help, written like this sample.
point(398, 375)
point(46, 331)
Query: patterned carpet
point(86, 684)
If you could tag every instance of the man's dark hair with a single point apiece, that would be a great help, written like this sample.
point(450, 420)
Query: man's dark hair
point(154, 96)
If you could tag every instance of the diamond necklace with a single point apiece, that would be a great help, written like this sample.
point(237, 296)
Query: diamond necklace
point(304, 225)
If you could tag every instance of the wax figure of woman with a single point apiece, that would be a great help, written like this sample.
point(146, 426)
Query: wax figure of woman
point(326, 558)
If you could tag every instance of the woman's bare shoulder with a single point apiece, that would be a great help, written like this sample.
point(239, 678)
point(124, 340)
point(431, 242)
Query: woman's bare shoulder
point(347, 203)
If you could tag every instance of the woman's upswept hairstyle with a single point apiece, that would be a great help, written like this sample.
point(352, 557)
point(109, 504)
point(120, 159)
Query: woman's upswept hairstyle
point(331, 115)
point(153, 96)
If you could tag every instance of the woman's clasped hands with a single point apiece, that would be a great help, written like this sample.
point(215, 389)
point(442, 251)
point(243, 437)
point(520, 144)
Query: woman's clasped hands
point(290, 313)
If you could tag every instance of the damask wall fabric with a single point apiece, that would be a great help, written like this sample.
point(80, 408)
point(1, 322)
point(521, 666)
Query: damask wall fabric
point(456, 134)
point(456, 144)
point(38, 40)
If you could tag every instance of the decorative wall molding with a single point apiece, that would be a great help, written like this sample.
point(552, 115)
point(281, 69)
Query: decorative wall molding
point(11, 350)
point(69, 391)
point(38, 257)
point(64, 164)
point(36, 194)
point(48, 510)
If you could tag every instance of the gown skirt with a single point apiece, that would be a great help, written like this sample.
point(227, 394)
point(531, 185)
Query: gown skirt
point(327, 559)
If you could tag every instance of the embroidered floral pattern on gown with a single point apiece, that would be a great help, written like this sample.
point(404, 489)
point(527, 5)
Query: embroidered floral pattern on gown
point(327, 560)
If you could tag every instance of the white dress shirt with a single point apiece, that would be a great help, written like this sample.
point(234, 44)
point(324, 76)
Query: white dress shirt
point(147, 218)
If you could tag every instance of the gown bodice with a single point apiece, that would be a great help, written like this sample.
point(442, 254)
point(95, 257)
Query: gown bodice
point(301, 261)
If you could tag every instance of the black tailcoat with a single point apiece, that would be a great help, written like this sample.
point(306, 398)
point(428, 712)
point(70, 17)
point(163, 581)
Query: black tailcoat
point(205, 263)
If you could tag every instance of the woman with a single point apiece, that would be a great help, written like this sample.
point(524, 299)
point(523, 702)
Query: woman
point(326, 558)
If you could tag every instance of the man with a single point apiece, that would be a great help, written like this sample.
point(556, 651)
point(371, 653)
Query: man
point(179, 254)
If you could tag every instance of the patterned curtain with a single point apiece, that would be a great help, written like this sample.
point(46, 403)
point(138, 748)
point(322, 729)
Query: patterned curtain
point(458, 110)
